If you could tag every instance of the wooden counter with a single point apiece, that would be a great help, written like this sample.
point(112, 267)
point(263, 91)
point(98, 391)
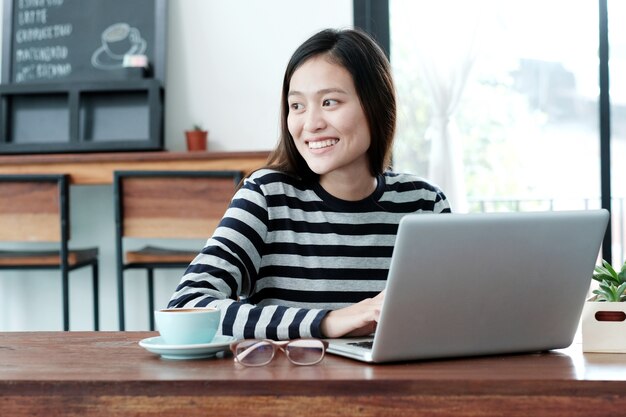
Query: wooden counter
point(97, 168)
point(108, 374)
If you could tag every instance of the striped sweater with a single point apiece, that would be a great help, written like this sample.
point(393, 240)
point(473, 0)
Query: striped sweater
point(285, 253)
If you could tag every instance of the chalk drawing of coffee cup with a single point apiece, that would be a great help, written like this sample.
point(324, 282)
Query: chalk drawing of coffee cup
point(118, 40)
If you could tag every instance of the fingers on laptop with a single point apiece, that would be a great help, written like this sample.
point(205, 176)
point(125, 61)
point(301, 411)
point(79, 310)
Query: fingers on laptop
point(359, 319)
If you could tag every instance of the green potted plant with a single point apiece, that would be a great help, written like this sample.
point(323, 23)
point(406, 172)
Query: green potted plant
point(612, 283)
point(604, 314)
point(197, 138)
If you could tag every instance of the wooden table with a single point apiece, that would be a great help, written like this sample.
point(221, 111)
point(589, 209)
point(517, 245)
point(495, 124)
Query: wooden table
point(108, 374)
point(97, 168)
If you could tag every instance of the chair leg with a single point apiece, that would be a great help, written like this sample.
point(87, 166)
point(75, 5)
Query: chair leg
point(66, 297)
point(96, 306)
point(151, 297)
point(120, 296)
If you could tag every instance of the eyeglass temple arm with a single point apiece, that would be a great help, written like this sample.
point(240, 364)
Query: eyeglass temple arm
point(248, 350)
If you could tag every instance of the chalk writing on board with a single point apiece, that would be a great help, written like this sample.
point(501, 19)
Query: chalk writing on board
point(37, 55)
point(43, 33)
point(118, 40)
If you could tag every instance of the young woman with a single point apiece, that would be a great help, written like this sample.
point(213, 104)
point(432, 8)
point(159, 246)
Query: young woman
point(305, 246)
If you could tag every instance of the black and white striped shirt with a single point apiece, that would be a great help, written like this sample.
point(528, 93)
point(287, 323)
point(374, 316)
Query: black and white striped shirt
point(286, 252)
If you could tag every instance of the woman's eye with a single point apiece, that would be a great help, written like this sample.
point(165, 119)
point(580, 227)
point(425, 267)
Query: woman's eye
point(329, 102)
point(295, 106)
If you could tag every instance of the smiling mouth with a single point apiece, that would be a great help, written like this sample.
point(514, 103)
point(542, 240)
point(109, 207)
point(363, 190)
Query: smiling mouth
point(322, 143)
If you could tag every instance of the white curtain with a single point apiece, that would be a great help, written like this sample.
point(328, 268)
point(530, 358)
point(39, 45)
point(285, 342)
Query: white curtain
point(445, 44)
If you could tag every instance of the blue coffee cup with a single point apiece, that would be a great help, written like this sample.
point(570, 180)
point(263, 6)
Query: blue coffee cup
point(186, 326)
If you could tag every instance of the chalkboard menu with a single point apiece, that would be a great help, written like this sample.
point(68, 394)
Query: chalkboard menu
point(82, 75)
point(81, 40)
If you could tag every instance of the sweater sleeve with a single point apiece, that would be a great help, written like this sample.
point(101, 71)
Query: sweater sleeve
point(224, 273)
point(442, 205)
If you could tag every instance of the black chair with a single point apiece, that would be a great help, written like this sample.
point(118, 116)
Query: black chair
point(165, 205)
point(35, 208)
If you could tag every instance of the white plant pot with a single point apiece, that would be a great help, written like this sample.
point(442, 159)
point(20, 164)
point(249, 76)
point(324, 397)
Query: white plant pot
point(604, 326)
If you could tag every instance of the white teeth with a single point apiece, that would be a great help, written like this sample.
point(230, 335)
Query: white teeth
point(322, 143)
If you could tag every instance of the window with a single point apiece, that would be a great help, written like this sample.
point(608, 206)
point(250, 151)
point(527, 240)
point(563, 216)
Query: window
point(498, 103)
point(617, 71)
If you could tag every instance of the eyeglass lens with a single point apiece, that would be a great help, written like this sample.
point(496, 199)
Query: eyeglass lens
point(305, 352)
point(254, 352)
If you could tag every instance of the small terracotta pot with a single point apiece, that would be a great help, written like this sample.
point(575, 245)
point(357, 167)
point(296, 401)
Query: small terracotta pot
point(196, 140)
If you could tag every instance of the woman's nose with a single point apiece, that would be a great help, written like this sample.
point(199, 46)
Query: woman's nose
point(314, 120)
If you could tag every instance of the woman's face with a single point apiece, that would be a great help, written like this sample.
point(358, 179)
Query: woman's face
point(326, 119)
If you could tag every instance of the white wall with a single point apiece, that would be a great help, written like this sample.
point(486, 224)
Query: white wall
point(226, 62)
point(224, 70)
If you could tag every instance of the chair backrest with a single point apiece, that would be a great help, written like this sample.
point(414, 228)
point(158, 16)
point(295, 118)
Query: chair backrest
point(34, 208)
point(172, 204)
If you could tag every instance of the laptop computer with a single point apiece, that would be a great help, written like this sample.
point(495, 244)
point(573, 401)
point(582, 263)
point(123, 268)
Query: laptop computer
point(483, 284)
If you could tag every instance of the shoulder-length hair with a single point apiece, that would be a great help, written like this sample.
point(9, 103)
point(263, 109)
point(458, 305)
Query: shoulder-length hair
point(361, 56)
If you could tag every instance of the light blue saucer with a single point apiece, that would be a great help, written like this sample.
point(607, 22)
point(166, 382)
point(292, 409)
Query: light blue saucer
point(195, 351)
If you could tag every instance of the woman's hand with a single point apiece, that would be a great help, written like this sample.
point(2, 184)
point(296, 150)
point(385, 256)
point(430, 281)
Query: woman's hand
point(359, 319)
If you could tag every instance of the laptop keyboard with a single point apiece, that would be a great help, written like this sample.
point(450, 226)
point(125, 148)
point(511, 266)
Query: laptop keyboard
point(365, 345)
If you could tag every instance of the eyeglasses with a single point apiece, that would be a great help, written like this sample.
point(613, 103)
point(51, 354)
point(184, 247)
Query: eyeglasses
point(255, 352)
